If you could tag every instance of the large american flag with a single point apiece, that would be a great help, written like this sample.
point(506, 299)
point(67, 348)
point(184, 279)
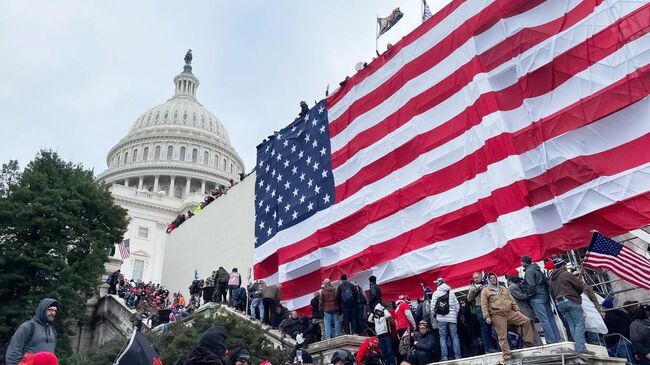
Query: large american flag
point(495, 129)
point(605, 253)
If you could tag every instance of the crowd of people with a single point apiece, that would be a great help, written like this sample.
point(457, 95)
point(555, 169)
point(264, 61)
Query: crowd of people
point(493, 316)
point(152, 301)
point(209, 198)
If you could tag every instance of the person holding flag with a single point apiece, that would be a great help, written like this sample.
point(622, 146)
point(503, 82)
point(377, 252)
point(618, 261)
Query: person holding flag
point(139, 351)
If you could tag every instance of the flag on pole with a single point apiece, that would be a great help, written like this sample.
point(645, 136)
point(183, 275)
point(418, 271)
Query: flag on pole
point(139, 351)
point(386, 23)
point(426, 12)
point(487, 133)
point(125, 249)
point(196, 274)
point(605, 253)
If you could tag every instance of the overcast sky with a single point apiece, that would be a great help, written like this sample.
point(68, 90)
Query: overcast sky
point(74, 75)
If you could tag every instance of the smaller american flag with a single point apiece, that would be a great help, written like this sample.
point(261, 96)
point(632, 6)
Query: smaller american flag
point(125, 249)
point(605, 253)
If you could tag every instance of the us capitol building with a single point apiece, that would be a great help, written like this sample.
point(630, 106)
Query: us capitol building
point(173, 155)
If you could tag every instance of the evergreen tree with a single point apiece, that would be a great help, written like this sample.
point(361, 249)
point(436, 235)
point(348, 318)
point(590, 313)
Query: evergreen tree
point(56, 227)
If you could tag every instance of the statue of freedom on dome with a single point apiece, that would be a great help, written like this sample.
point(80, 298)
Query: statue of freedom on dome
point(188, 61)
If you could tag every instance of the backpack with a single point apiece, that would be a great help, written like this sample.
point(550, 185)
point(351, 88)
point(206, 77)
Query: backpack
point(442, 304)
point(347, 294)
point(32, 329)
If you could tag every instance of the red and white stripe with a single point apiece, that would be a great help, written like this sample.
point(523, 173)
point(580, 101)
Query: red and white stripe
point(495, 128)
point(628, 265)
point(125, 251)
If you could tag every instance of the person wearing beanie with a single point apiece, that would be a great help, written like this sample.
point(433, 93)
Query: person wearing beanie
point(240, 356)
point(536, 285)
point(566, 290)
point(374, 295)
point(210, 351)
point(35, 335)
point(501, 310)
point(41, 358)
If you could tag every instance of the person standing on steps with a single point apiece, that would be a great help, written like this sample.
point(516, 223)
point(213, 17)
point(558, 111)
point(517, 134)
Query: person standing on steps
point(234, 282)
point(566, 290)
point(474, 295)
point(539, 299)
point(500, 309)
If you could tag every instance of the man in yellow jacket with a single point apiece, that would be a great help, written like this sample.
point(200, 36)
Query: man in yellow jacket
point(500, 309)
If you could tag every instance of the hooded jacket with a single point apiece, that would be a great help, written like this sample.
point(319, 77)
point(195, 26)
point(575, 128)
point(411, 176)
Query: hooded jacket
point(564, 284)
point(536, 285)
point(43, 340)
point(521, 298)
point(210, 351)
point(454, 306)
point(497, 302)
point(381, 322)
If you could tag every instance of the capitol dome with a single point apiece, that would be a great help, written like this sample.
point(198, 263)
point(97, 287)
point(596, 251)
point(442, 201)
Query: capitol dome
point(176, 148)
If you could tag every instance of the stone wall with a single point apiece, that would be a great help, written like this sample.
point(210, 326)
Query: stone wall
point(221, 235)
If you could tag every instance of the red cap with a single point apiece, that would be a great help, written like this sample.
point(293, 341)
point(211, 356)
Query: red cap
point(549, 265)
point(41, 358)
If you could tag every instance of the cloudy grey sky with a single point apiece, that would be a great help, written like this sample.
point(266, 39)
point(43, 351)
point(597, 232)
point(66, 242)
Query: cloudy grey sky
point(74, 75)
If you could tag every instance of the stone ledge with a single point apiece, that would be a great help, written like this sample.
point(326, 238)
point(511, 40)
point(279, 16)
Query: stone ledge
point(558, 353)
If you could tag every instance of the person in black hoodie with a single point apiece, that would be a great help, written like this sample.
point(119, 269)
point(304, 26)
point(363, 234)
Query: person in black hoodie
point(422, 352)
point(210, 351)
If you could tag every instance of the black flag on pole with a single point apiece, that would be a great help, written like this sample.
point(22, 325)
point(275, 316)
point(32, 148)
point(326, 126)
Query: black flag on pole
point(139, 351)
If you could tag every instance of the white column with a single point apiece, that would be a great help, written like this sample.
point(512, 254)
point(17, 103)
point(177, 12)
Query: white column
point(140, 181)
point(126, 182)
point(172, 180)
point(155, 183)
point(202, 186)
point(188, 181)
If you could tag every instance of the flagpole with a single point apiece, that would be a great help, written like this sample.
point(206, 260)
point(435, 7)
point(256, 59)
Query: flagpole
point(117, 361)
point(376, 34)
point(422, 10)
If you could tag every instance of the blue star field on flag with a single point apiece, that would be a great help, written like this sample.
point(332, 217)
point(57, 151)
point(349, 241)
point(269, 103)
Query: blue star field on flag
point(294, 175)
point(604, 245)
